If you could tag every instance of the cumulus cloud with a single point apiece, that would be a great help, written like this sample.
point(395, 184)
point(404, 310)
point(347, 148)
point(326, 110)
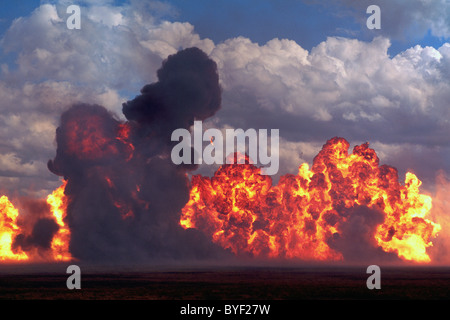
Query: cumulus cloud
point(344, 87)
point(341, 87)
point(116, 52)
point(341, 78)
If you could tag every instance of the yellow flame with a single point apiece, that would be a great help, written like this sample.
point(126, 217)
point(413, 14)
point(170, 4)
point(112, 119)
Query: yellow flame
point(8, 229)
point(60, 241)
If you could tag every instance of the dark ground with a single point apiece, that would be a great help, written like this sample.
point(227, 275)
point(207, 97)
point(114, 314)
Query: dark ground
point(226, 283)
point(163, 293)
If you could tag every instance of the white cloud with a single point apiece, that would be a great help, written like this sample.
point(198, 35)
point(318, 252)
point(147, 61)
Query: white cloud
point(108, 16)
point(117, 50)
point(168, 37)
point(342, 87)
point(339, 77)
point(116, 47)
point(11, 164)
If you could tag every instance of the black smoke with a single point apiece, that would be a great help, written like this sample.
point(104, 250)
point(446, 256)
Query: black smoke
point(125, 194)
point(356, 239)
point(38, 227)
point(188, 89)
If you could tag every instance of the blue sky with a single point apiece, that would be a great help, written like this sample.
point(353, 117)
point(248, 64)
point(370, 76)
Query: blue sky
point(304, 21)
point(13, 9)
point(295, 20)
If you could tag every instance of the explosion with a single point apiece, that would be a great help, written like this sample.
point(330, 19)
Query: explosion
point(123, 199)
point(313, 214)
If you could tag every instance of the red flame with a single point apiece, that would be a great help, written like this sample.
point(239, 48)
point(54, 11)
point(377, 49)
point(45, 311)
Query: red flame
point(123, 135)
point(87, 139)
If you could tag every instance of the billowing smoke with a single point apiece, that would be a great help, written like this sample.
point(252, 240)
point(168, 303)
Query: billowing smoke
point(38, 226)
point(356, 240)
point(125, 194)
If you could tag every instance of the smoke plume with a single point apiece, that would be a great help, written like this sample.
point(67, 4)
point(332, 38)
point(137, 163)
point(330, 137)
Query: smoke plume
point(125, 194)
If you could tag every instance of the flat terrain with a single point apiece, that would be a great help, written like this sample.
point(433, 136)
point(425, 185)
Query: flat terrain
point(231, 283)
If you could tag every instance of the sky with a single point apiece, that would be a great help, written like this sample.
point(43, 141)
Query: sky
point(310, 68)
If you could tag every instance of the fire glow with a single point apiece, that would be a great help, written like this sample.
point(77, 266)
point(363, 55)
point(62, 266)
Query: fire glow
point(298, 218)
point(9, 229)
point(304, 214)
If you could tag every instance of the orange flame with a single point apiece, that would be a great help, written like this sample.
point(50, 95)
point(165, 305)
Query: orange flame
point(241, 210)
point(59, 248)
point(60, 242)
point(87, 140)
point(8, 231)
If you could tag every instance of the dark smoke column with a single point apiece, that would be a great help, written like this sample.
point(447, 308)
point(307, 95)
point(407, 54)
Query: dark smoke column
point(125, 193)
